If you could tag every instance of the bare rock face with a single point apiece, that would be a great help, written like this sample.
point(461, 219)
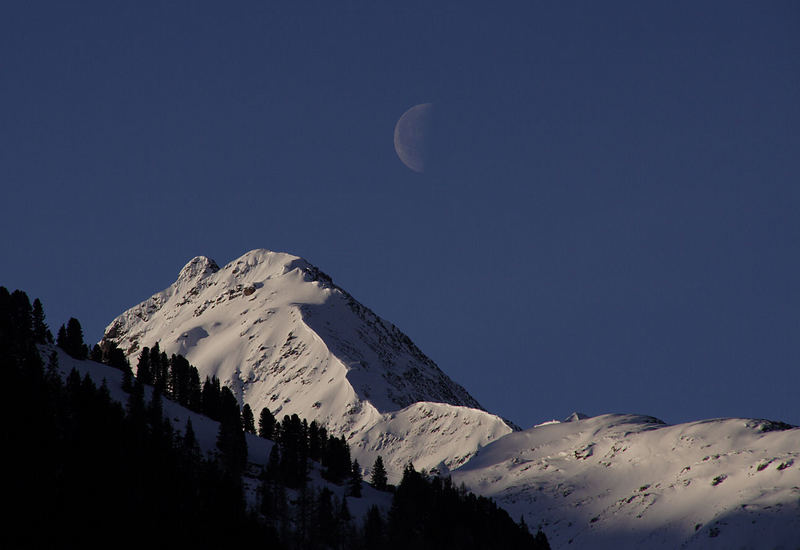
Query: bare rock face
point(280, 334)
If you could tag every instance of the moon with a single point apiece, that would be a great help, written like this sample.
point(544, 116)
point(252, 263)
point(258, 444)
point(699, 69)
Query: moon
point(413, 136)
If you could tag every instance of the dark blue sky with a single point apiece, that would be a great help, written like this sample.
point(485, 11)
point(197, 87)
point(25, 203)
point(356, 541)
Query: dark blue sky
point(610, 224)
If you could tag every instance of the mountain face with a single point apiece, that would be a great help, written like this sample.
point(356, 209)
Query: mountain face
point(280, 334)
point(628, 481)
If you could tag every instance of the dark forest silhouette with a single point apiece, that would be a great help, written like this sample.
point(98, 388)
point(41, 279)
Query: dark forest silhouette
point(86, 471)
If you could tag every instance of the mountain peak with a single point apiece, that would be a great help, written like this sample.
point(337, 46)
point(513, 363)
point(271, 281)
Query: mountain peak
point(279, 333)
point(262, 256)
point(198, 267)
point(261, 263)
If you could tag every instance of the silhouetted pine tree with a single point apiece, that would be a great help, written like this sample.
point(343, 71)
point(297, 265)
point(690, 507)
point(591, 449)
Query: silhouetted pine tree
point(374, 532)
point(274, 505)
point(189, 445)
point(115, 357)
point(248, 422)
point(135, 408)
point(127, 380)
point(317, 441)
point(266, 424)
point(302, 516)
point(52, 375)
point(155, 363)
point(163, 375)
point(179, 379)
point(324, 528)
point(294, 452)
point(348, 537)
point(211, 397)
point(336, 460)
point(195, 399)
point(231, 440)
point(144, 372)
point(96, 354)
point(354, 485)
point(160, 428)
point(61, 337)
point(378, 478)
point(20, 315)
point(159, 366)
point(73, 340)
point(41, 333)
point(540, 541)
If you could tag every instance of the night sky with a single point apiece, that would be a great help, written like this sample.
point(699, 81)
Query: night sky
point(609, 221)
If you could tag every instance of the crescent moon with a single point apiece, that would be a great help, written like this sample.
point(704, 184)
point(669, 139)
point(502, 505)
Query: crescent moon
point(412, 136)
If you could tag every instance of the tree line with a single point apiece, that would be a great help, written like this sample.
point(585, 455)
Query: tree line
point(88, 470)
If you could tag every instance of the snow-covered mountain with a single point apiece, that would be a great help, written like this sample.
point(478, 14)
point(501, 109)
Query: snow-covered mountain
point(280, 334)
point(628, 481)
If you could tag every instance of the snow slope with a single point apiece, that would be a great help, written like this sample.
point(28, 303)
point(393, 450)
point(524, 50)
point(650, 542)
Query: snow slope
point(280, 334)
point(628, 481)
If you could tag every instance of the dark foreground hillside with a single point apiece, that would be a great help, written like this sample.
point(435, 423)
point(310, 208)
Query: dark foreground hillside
point(84, 471)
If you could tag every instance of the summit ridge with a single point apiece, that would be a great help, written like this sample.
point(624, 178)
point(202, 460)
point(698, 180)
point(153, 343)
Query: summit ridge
point(282, 335)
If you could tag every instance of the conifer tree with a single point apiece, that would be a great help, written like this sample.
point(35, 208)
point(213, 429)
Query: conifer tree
point(180, 379)
point(164, 373)
point(41, 333)
point(53, 377)
point(155, 417)
point(315, 444)
point(96, 354)
point(136, 419)
point(336, 460)
point(21, 313)
point(229, 406)
point(74, 340)
point(294, 452)
point(303, 520)
point(268, 482)
point(231, 440)
point(266, 424)
point(195, 397)
point(144, 373)
point(540, 541)
point(323, 530)
point(248, 422)
point(347, 535)
point(61, 338)
point(104, 394)
point(211, 397)
point(354, 488)
point(273, 491)
point(374, 529)
point(115, 357)
point(159, 366)
point(378, 479)
point(127, 380)
point(189, 444)
point(73, 383)
point(272, 471)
